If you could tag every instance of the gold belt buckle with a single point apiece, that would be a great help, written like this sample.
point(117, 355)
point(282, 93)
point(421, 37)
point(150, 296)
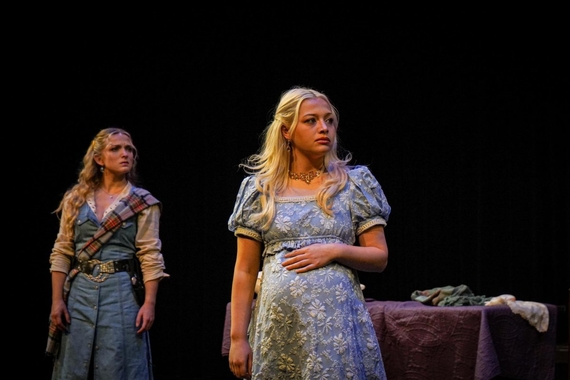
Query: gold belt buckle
point(108, 267)
point(103, 274)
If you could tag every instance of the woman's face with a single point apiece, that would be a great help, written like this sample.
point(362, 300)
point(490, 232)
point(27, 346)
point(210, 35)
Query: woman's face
point(315, 131)
point(118, 155)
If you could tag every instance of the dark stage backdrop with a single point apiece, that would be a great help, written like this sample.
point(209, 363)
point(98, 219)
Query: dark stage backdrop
point(461, 119)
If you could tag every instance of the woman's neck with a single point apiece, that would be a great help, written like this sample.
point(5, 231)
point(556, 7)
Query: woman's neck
point(114, 188)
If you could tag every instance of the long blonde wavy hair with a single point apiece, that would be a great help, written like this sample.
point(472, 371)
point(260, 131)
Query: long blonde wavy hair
point(90, 176)
point(272, 162)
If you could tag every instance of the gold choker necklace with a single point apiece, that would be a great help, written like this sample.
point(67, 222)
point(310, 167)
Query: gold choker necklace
point(307, 177)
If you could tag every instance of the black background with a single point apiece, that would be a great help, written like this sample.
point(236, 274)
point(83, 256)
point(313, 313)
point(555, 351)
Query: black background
point(461, 115)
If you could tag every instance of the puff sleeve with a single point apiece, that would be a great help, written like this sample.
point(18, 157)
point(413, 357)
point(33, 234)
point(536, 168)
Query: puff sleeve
point(369, 206)
point(247, 203)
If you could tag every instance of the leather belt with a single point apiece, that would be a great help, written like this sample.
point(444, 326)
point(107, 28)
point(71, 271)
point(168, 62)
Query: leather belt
point(103, 269)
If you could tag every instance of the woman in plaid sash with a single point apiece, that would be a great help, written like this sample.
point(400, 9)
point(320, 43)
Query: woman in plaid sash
point(97, 328)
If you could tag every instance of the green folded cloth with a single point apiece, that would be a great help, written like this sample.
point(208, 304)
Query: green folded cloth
point(449, 296)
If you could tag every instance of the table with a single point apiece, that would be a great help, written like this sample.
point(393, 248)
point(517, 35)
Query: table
point(423, 342)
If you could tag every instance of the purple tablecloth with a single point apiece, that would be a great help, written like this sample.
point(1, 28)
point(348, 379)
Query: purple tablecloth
point(423, 342)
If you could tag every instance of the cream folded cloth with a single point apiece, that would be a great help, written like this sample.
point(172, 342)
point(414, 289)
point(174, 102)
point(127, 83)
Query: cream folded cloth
point(535, 313)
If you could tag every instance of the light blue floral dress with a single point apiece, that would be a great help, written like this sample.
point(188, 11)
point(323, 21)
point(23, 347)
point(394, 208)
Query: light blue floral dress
point(313, 325)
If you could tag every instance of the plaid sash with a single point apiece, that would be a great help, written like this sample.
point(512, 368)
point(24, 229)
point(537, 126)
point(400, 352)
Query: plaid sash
point(138, 200)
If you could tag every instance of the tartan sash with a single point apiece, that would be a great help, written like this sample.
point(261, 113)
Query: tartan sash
point(138, 200)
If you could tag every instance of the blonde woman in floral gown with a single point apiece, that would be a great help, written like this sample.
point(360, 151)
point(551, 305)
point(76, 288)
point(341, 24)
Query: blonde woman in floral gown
point(309, 221)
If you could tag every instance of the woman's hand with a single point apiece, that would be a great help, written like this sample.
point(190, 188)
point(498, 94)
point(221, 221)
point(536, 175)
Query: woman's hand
point(145, 317)
point(370, 255)
point(311, 257)
point(240, 359)
point(59, 315)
